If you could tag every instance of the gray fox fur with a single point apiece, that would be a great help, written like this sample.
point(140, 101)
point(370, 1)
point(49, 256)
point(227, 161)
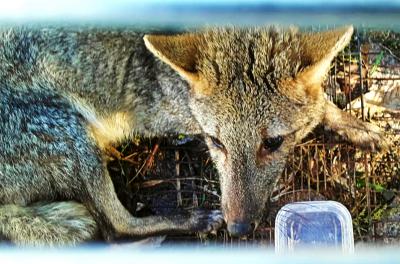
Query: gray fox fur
point(67, 94)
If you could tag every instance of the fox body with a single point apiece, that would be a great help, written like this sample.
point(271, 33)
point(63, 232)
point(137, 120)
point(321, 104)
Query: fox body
point(65, 95)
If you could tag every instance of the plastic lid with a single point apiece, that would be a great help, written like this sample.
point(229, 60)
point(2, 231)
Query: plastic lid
point(313, 224)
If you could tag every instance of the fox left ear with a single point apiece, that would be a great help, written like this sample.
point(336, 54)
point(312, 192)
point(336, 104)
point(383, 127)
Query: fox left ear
point(319, 49)
point(178, 51)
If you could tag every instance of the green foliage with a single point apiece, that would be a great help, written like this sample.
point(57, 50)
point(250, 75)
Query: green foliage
point(377, 187)
point(379, 213)
point(377, 62)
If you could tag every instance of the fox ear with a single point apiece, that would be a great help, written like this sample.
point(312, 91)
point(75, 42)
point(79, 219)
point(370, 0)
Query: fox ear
point(319, 50)
point(178, 51)
point(362, 134)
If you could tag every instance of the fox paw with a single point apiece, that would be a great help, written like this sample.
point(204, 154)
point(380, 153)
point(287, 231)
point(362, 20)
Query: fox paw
point(205, 221)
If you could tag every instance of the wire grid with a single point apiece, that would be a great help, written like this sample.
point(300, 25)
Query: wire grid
point(167, 176)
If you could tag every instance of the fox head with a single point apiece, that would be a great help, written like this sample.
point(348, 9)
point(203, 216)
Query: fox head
point(256, 93)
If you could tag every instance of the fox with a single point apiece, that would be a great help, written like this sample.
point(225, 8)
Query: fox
point(67, 94)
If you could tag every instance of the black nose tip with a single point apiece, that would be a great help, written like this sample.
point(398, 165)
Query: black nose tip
point(239, 229)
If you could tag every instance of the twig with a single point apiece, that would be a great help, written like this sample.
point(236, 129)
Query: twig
point(146, 165)
point(389, 50)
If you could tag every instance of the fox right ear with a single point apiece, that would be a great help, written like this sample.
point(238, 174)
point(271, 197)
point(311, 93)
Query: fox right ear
point(178, 51)
point(319, 49)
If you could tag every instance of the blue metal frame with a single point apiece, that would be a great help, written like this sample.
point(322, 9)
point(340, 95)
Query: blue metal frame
point(180, 13)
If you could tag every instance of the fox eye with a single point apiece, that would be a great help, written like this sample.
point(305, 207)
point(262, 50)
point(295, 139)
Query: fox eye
point(272, 144)
point(217, 143)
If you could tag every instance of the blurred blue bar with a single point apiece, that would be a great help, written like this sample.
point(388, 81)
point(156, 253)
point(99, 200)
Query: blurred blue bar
point(193, 256)
point(187, 14)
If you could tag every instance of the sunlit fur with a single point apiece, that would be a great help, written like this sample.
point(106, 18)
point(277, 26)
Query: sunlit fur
point(253, 84)
point(65, 94)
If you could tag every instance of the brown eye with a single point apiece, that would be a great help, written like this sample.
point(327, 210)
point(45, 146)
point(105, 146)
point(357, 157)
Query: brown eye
point(215, 141)
point(272, 144)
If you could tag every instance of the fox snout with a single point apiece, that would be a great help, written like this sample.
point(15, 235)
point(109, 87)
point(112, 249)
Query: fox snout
point(241, 224)
point(241, 214)
point(238, 229)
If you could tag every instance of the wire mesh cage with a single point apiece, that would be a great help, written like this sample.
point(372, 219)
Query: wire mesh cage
point(161, 176)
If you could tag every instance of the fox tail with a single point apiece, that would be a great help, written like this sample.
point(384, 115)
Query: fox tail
point(51, 224)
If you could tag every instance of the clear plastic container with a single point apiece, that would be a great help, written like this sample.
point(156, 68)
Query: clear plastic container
point(314, 224)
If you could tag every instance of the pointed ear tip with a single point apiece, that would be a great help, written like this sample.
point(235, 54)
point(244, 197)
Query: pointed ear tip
point(148, 42)
point(345, 31)
point(349, 30)
point(146, 38)
point(345, 34)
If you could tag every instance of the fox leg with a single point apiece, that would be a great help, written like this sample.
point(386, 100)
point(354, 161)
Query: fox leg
point(104, 205)
point(47, 153)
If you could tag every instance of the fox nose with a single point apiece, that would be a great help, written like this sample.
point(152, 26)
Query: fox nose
point(238, 229)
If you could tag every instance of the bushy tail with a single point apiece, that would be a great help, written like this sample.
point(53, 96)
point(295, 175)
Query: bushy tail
point(52, 224)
